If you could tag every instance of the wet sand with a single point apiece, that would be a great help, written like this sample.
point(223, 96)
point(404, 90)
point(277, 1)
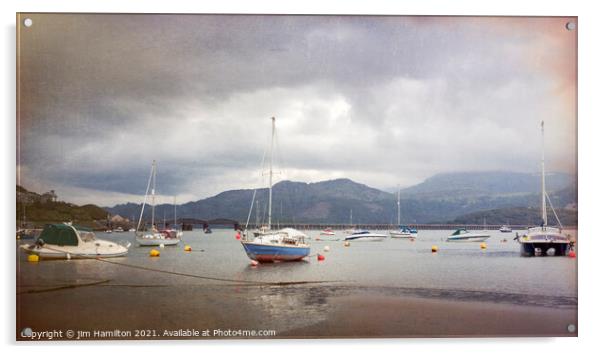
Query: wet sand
point(386, 316)
point(292, 311)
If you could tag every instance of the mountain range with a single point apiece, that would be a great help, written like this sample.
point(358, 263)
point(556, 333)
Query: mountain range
point(438, 199)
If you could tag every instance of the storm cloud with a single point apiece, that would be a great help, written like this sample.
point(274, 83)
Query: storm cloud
point(383, 100)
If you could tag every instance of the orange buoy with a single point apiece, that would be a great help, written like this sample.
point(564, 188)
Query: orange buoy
point(347, 244)
point(33, 258)
point(572, 254)
point(483, 246)
point(154, 253)
point(434, 249)
point(254, 263)
point(187, 248)
point(321, 257)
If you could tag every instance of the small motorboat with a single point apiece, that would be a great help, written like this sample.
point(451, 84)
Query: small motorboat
point(119, 229)
point(462, 235)
point(364, 235)
point(284, 245)
point(403, 232)
point(65, 241)
point(327, 232)
point(505, 228)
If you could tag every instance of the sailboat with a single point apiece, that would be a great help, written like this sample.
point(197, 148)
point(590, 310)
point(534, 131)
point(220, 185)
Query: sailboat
point(154, 237)
point(403, 231)
point(287, 244)
point(173, 230)
point(352, 229)
point(544, 240)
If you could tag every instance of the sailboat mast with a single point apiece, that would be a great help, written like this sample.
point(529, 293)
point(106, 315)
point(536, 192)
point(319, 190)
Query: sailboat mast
point(271, 174)
point(544, 213)
point(350, 216)
point(175, 215)
point(398, 208)
point(153, 194)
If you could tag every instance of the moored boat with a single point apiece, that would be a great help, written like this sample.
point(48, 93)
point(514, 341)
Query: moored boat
point(505, 229)
point(284, 245)
point(154, 237)
point(544, 240)
point(364, 235)
point(403, 231)
point(271, 246)
point(327, 232)
point(65, 241)
point(463, 235)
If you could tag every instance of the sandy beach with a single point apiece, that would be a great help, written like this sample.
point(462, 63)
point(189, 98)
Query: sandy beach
point(387, 316)
point(292, 311)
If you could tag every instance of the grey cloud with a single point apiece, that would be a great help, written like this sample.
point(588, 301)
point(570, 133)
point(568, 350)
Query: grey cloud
point(381, 98)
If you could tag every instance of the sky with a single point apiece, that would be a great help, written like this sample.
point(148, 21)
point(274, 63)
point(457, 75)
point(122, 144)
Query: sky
point(383, 100)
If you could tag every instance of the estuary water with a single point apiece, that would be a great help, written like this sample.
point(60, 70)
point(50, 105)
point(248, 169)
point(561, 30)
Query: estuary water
point(216, 285)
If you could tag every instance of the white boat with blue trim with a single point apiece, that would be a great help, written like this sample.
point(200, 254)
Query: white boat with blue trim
point(284, 245)
point(463, 235)
point(365, 235)
point(287, 244)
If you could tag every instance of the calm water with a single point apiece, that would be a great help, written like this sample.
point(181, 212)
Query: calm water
point(391, 263)
point(133, 298)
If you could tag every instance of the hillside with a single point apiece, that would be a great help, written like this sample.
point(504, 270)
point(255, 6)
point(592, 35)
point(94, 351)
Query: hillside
point(37, 209)
point(439, 199)
point(517, 216)
point(490, 183)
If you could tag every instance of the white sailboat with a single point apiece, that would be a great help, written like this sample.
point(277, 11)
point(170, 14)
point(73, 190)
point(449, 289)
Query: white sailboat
point(402, 231)
point(154, 237)
point(173, 230)
point(270, 246)
point(352, 229)
point(544, 240)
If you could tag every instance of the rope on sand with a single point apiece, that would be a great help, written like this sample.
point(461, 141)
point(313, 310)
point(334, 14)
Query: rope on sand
point(71, 286)
point(236, 281)
point(215, 278)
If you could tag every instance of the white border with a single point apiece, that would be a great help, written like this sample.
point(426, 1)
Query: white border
point(589, 172)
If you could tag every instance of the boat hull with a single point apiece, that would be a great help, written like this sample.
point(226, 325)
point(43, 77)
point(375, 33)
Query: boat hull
point(157, 241)
point(468, 239)
point(531, 249)
point(58, 252)
point(400, 234)
point(265, 253)
point(365, 238)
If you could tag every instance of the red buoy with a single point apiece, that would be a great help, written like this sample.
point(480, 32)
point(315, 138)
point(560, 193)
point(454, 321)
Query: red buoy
point(572, 254)
point(238, 235)
point(321, 257)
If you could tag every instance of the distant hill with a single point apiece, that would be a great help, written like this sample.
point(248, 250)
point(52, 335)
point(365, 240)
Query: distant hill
point(438, 199)
point(490, 183)
point(38, 209)
point(517, 216)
